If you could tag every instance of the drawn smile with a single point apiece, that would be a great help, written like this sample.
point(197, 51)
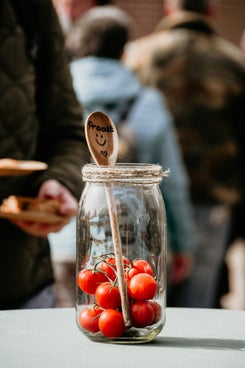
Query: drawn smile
point(99, 143)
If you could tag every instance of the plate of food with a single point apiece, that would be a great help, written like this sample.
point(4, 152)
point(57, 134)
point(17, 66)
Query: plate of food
point(31, 209)
point(9, 166)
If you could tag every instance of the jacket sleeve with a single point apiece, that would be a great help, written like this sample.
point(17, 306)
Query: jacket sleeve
point(61, 140)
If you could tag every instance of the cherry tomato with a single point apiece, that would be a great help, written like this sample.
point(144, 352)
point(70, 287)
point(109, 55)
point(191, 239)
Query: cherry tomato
point(108, 296)
point(139, 266)
point(126, 262)
point(131, 272)
point(143, 266)
point(88, 280)
point(111, 323)
point(142, 287)
point(142, 313)
point(89, 319)
point(109, 267)
point(157, 311)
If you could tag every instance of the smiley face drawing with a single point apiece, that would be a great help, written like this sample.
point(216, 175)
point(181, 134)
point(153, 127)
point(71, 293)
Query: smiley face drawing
point(100, 140)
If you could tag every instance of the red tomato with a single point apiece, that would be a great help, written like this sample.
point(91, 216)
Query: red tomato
point(142, 313)
point(109, 267)
point(142, 287)
point(89, 319)
point(139, 266)
point(143, 266)
point(126, 262)
point(108, 296)
point(131, 272)
point(111, 323)
point(88, 280)
point(157, 311)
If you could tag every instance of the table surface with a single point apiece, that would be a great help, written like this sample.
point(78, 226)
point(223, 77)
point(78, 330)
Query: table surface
point(209, 338)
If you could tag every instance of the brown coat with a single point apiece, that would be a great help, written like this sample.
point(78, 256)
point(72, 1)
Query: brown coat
point(203, 79)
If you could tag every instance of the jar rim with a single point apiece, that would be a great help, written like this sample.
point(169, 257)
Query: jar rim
point(130, 172)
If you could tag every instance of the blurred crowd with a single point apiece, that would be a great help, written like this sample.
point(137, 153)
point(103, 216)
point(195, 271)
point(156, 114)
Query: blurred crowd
point(201, 79)
point(184, 81)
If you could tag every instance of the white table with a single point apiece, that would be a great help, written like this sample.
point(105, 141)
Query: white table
point(191, 338)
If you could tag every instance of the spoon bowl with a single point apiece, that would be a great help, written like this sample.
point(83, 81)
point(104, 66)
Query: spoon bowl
point(102, 138)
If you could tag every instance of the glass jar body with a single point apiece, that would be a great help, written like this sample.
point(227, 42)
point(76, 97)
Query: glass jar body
point(127, 202)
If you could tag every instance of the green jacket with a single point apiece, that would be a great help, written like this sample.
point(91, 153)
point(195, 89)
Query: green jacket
point(40, 119)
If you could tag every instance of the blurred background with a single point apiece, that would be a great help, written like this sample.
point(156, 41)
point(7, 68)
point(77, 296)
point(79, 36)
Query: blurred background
point(146, 15)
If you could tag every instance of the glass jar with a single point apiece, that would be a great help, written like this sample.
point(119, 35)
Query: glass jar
point(121, 254)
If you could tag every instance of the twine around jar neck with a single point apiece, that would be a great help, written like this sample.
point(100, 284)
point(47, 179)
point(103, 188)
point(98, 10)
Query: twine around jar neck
point(124, 172)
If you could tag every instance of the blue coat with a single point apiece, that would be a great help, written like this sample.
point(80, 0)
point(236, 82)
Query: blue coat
point(106, 85)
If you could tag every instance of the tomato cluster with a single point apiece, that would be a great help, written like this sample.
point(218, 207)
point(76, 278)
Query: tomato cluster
point(106, 315)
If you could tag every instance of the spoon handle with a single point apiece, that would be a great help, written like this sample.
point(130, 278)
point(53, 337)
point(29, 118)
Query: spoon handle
point(118, 253)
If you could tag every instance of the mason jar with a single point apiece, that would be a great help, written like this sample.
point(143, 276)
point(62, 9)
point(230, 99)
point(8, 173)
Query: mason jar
point(121, 254)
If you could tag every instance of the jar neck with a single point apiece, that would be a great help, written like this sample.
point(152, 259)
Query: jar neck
point(127, 173)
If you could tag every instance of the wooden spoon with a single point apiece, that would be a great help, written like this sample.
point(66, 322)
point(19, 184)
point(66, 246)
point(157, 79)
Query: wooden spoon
point(102, 140)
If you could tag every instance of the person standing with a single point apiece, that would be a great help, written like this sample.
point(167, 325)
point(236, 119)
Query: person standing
point(40, 119)
point(202, 77)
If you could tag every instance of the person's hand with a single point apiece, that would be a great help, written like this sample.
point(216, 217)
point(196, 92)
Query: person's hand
point(180, 267)
point(68, 208)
